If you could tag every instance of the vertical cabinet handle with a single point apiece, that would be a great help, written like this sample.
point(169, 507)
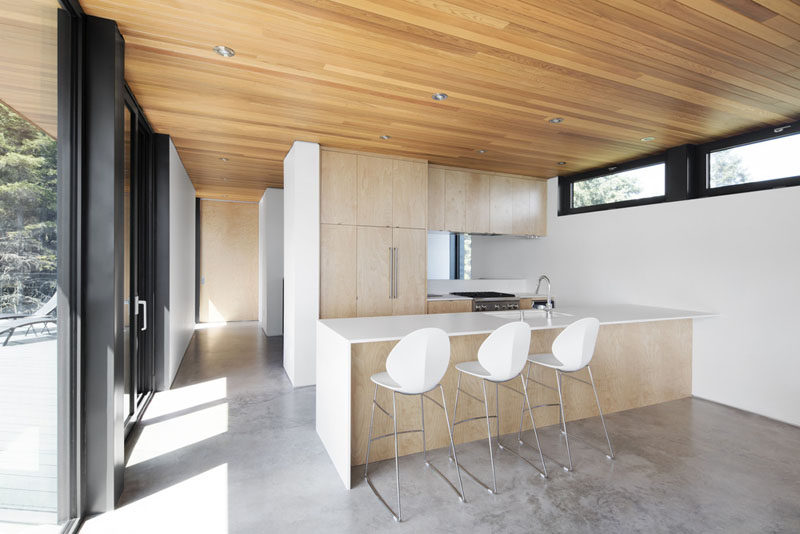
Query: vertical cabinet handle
point(391, 278)
point(396, 270)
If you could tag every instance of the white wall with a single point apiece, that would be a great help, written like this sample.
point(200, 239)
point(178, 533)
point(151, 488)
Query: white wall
point(301, 261)
point(270, 262)
point(737, 255)
point(179, 320)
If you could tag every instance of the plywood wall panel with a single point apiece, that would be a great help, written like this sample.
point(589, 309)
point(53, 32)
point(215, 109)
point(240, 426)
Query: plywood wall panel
point(228, 261)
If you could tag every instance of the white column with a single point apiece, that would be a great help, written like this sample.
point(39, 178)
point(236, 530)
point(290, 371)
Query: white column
point(301, 261)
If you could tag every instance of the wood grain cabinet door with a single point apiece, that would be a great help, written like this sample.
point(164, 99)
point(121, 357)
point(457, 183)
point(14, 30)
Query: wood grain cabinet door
point(479, 194)
point(374, 191)
point(410, 194)
point(455, 201)
point(337, 281)
point(436, 199)
point(411, 280)
point(374, 287)
point(338, 187)
point(522, 223)
point(502, 201)
point(450, 306)
point(539, 207)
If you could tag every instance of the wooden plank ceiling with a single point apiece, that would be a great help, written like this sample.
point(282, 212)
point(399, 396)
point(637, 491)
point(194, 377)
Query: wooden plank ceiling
point(29, 60)
point(343, 73)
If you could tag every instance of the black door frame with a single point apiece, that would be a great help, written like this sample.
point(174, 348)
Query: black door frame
point(142, 269)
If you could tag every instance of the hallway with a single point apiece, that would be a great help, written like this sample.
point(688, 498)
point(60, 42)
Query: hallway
point(232, 449)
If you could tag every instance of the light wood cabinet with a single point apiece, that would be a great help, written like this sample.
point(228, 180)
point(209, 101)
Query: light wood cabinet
point(375, 182)
point(502, 199)
point(539, 207)
point(337, 254)
point(478, 212)
point(409, 194)
point(455, 201)
point(374, 271)
point(449, 306)
point(374, 208)
point(411, 277)
point(480, 202)
point(338, 187)
point(522, 216)
point(436, 203)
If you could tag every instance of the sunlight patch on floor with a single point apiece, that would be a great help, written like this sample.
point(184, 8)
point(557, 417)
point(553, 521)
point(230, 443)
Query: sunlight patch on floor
point(179, 399)
point(178, 432)
point(198, 504)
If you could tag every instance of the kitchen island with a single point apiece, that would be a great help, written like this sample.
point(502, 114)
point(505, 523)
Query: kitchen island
point(643, 357)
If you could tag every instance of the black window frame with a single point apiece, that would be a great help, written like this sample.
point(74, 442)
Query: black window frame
point(566, 183)
point(703, 161)
point(687, 172)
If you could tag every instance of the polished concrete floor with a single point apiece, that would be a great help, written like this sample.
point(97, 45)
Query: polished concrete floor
point(232, 449)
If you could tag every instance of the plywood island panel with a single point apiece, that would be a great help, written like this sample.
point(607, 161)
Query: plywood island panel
point(634, 365)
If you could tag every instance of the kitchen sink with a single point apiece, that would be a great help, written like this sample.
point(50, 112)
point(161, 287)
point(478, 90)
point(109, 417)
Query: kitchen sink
point(529, 314)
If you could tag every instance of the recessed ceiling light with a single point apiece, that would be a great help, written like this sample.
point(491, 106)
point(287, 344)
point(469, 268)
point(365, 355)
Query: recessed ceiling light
point(439, 96)
point(481, 151)
point(562, 162)
point(224, 51)
point(556, 120)
point(386, 137)
point(648, 139)
point(223, 158)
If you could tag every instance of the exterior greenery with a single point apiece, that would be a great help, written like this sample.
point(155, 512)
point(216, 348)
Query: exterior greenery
point(28, 178)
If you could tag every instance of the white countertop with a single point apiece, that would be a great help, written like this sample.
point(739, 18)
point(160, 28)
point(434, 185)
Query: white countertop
point(389, 328)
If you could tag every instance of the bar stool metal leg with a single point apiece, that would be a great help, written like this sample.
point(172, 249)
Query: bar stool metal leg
point(369, 436)
point(452, 445)
point(455, 418)
point(497, 411)
point(563, 420)
point(533, 424)
point(422, 416)
point(610, 454)
point(489, 435)
point(399, 515)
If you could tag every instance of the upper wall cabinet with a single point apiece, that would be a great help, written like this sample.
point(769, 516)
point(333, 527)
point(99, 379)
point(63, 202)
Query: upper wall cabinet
point(455, 201)
point(372, 190)
point(502, 198)
point(338, 187)
point(463, 200)
point(479, 203)
point(436, 192)
point(409, 194)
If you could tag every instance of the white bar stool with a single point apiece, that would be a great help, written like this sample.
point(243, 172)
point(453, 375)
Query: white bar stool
point(415, 366)
point(573, 349)
point(501, 358)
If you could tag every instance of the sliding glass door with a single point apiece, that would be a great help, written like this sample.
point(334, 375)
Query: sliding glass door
point(36, 421)
point(138, 261)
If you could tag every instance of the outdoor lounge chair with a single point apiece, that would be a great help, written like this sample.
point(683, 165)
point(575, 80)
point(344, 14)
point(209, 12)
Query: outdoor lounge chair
point(41, 316)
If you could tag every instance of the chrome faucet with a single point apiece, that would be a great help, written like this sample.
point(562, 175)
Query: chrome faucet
point(549, 306)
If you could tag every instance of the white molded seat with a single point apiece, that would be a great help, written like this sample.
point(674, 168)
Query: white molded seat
point(384, 380)
point(501, 357)
point(414, 366)
point(473, 368)
point(572, 350)
point(547, 359)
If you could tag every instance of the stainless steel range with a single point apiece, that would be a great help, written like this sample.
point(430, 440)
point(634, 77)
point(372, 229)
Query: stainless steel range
point(490, 300)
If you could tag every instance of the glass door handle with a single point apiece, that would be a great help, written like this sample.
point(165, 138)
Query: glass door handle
point(143, 304)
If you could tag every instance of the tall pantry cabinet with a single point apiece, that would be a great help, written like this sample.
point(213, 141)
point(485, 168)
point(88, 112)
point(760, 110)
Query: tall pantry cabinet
point(373, 238)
